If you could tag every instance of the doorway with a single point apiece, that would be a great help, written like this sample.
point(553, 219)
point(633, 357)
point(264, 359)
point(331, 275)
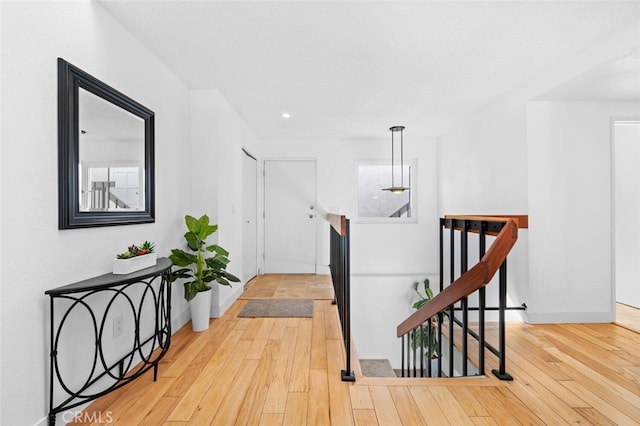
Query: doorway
point(290, 216)
point(626, 216)
point(250, 217)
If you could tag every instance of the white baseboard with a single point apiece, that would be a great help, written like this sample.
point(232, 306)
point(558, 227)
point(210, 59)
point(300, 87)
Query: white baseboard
point(568, 317)
point(214, 312)
point(227, 303)
point(323, 270)
point(42, 422)
point(217, 311)
point(180, 320)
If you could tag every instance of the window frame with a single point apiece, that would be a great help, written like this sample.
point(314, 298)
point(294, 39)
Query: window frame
point(413, 165)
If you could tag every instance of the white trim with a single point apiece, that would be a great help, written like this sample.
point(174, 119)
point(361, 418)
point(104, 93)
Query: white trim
point(221, 309)
point(613, 121)
point(257, 212)
point(180, 320)
point(568, 317)
point(431, 275)
point(413, 164)
point(315, 202)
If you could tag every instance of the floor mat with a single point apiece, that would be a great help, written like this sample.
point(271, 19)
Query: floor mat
point(278, 308)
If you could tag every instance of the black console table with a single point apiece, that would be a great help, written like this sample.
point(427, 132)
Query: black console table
point(89, 318)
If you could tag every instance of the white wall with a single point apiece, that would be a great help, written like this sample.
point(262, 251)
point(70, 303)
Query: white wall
point(218, 136)
point(1, 198)
point(482, 169)
point(385, 258)
point(569, 148)
point(626, 196)
point(483, 162)
point(486, 166)
point(36, 256)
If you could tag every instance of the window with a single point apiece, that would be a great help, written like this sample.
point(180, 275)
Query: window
point(375, 204)
point(106, 187)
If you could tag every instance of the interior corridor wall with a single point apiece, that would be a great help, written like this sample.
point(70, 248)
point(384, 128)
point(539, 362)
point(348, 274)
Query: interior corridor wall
point(218, 136)
point(569, 149)
point(626, 210)
point(485, 166)
point(385, 258)
point(482, 169)
point(36, 255)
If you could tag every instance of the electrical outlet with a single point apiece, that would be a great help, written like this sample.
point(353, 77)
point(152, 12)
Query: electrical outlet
point(117, 326)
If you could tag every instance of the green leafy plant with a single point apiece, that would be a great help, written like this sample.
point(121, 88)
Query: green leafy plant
point(198, 269)
point(421, 335)
point(134, 250)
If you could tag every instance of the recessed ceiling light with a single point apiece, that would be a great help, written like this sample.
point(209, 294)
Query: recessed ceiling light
point(286, 115)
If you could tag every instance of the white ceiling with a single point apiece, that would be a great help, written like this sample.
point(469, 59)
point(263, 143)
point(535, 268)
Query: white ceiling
point(350, 70)
point(618, 80)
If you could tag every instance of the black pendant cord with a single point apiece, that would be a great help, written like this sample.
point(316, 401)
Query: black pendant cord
point(393, 174)
point(401, 160)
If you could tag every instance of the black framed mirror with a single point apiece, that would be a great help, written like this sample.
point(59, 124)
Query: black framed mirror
point(105, 154)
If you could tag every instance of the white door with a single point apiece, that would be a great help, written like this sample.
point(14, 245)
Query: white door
point(627, 211)
point(126, 185)
point(290, 216)
point(250, 213)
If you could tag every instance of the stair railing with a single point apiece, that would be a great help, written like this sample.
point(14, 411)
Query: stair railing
point(341, 277)
point(430, 318)
point(101, 196)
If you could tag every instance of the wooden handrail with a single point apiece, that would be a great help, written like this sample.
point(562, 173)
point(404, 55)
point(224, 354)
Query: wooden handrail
point(522, 220)
point(338, 222)
point(472, 280)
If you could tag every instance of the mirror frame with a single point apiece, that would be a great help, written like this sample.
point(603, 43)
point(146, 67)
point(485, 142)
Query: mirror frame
point(70, 80)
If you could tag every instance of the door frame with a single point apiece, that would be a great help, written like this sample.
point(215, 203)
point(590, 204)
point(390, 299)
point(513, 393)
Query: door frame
point(264, 201)
point(257, 212)
point(615, 119)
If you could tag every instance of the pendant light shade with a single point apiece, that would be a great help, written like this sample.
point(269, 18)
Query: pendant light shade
point(394, 189)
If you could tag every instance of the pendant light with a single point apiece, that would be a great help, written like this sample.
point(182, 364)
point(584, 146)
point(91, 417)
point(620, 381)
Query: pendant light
point(397, 189)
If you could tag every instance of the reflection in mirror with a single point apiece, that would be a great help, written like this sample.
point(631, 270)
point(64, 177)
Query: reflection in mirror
point(111, 153)
point(105, 154)
point(373, 202)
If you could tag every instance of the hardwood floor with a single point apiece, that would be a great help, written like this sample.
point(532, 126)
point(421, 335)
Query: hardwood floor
point(286, 371)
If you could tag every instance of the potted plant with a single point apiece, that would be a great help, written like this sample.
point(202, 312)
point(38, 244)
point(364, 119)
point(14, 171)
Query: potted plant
point(199, 270)
point(135, 258)
point(421, 336)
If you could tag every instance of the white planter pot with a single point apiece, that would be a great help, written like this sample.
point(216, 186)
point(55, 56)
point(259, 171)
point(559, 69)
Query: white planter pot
point(127, 266)
point(200, 310)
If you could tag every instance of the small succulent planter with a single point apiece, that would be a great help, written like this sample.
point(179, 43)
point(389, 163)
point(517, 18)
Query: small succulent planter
point(135, 259)
point(127, 266)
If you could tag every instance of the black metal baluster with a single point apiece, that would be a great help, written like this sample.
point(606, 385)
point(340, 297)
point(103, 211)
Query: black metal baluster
point(402, 354)
point(452, 252)
point(451, 345)
point(422, 350)
point(414, 352)
point(409, 354)
point(440, 320)
point(452, 264)
point(482, 301)
point(501, 373)
point(347, 375)
point(464, 260)
point(441, 242)
point(430, 346)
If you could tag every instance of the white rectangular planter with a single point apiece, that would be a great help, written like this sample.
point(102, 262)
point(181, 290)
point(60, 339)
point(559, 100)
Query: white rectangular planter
point(127, 266)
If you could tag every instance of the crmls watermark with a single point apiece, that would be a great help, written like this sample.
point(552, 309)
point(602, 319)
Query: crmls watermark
point(84, 417)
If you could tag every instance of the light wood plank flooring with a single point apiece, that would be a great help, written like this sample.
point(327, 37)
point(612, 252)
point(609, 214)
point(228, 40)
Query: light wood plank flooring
point(286, 371)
